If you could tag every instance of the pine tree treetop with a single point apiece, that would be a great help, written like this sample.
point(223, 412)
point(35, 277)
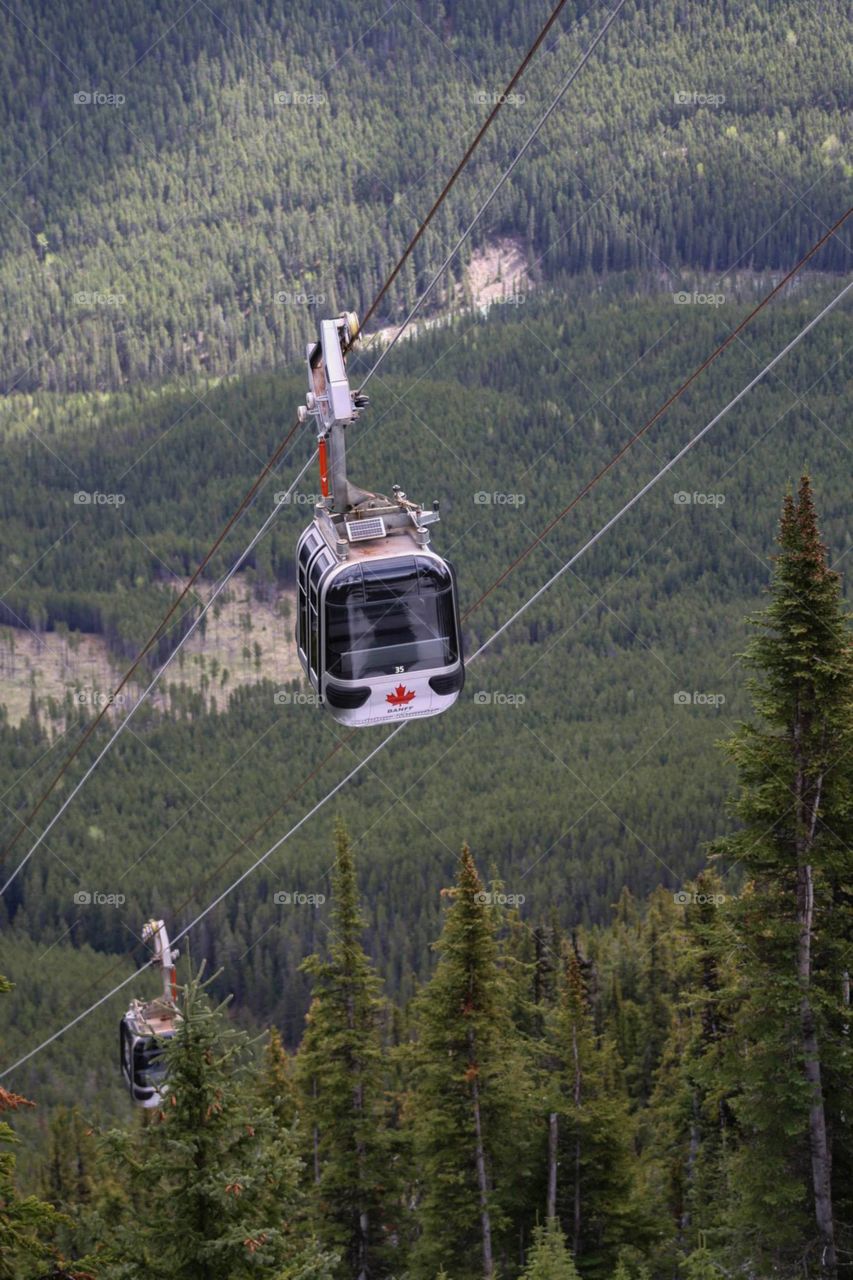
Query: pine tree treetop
point(550, 1257)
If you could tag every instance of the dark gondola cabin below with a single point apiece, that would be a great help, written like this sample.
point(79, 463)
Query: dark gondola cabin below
point(143, 1031)
point(148, 1025)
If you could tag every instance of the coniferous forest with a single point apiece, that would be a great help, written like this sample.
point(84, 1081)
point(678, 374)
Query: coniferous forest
point(557, 986)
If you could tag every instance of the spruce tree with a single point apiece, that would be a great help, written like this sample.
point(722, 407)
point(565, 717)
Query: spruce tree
point(591, 1152)
point(75, 1180)
point(550, 1257)
point(656, 988)
point(27, 1224)
point(213, 1179)
point(619, 956)
point(276, 1085)
point(685, 1129)
point(701, 1265)
point(468, 1097)
point(340, 1074)
point(790, 1061)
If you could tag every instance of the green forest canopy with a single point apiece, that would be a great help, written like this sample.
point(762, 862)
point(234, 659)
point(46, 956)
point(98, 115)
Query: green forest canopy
point(189, 187)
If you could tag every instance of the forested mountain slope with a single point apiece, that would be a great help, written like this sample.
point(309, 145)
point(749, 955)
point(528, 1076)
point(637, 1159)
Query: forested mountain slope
point(186, 182)
point(583, 771)
point(184, 189)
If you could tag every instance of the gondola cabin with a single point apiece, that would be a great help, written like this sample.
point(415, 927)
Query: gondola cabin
point(378, 633)
point(378, 629)
point(149, 1024)
point(143, 1030)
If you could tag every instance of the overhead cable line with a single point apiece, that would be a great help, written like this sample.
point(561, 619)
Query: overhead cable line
point(24, 824)
point(531, 546)
point(155, 680)
point(561, 515)
point(445, 191)
point(650, 484)
point(501, 182)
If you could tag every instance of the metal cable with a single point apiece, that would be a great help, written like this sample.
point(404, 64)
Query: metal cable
point(120, 728)
point(24, 824)
point(549, 111)
point(531, 600)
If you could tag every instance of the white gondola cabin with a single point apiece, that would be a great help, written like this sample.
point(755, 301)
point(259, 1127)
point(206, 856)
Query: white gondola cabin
point(378, 630)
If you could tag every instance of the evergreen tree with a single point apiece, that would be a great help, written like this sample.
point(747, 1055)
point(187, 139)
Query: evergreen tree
point(701, 1265)
point(656, 989)
point(276, 1086)
point(74, 1180)
point(550, 1257)
point(788, 1056)
point(340, 1074)
point(26, 1223)
point(686, 1127)
point(468, 1096)
point(591, 1155)
point(213, 1180)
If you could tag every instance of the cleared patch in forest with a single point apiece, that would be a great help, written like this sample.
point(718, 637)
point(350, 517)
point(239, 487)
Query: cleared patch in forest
point(497, 273)
point(244, 641)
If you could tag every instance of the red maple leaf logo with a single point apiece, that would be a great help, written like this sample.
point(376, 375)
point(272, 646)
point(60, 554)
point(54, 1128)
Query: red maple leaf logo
point(400, 696)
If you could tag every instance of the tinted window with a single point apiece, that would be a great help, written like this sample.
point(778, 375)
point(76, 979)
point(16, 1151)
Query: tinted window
point(316, 574)
point(302, 621)
point(149, 1067)
point(314, 577)
point(313, 637)
point(126, 1048)
point(302, 580)
point(394, 580)
point(432, 575)
point(389, 619)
